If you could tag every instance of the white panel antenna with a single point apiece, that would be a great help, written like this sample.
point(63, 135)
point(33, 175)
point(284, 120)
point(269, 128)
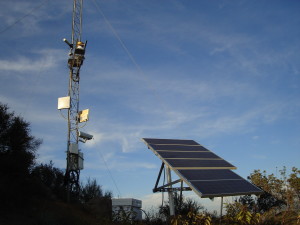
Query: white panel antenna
point(64, 102)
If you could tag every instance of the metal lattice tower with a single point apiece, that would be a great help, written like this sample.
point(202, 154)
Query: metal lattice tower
point(75, 61)
point(72, 171)
point(77, 21)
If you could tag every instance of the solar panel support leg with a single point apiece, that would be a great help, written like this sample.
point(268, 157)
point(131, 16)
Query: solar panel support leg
point(170, 193)
point(158, 178)
point(221, 211)
point(180, 196)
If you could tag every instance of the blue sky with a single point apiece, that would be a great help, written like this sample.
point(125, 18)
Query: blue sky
point(223, 73)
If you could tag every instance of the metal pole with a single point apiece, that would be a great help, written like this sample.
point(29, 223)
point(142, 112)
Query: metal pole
point(180, 197)
point(221, 211)
point(170, 193)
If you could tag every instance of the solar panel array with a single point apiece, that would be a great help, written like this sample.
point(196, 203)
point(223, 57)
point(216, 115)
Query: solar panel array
point(202, 170)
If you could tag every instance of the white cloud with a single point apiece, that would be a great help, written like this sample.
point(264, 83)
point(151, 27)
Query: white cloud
point(152, 201)
point(14, 104)
point(47, 153)
point(104, 162)
point(126, 138)
point(98, 138)
point(127, 165)
point(27, 17)
point(47, 59)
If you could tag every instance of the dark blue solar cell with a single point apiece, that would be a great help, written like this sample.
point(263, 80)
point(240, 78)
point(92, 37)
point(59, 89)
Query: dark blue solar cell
point(181, 155)
point(189, 163)
point(177, 147)
point(225, 188)
point(170, 141)
point(209, 174)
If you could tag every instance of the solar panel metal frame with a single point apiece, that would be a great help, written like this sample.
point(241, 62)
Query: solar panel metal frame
point(193, 183)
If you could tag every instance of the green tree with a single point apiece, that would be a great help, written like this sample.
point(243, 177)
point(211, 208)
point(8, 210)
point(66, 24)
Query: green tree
point(274, 190)
point(17, 158)
point(92, 190)
point(294, 184)
point(279, 204)
point(96, 201)
point(51, 180)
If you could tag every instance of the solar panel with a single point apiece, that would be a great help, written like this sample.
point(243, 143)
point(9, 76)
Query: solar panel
point(186, 154)
point(202, 170)
point(216, 183)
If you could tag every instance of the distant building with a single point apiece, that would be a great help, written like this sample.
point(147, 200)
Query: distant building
point(129, 206)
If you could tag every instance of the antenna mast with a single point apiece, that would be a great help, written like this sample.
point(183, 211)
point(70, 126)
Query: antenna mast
point(71, 102)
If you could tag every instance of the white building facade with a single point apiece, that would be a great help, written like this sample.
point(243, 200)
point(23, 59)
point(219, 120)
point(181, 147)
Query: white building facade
point(129, 206)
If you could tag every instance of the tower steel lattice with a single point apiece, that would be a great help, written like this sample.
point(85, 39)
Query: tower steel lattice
point(75, 61)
